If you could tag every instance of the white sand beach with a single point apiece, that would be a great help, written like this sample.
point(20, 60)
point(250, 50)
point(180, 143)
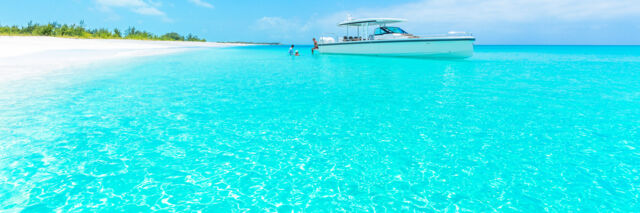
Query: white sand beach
point(22, 56)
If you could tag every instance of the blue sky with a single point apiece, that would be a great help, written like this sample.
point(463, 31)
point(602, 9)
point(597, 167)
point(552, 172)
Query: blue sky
point(296, 21)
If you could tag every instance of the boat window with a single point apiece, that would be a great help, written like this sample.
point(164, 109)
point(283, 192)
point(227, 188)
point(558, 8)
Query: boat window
point(381, 31)
point(378, 31)
point(396, 30)
point(387, 30)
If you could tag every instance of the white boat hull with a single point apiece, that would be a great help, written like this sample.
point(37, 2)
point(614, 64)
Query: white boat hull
point(447, 47)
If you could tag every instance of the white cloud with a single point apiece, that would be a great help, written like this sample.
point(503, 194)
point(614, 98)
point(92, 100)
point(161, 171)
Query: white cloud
point(122, 3)
point(278, 27)
point(143, 7)
point(201, 3)
point(149, 11)
point(266, 23)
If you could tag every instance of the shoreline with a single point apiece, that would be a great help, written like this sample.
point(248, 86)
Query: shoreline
point(23, 56)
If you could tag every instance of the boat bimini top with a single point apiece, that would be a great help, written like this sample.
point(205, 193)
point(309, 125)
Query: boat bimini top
point(370, 21)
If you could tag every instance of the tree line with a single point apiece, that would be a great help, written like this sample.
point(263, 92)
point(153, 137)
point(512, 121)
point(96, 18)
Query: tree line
point(80, 31)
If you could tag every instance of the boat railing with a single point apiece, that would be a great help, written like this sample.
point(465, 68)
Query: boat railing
point(452, 33)
point(327, 38)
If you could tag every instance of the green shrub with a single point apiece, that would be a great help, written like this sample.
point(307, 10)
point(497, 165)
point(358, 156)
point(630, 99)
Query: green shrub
point(79, 31)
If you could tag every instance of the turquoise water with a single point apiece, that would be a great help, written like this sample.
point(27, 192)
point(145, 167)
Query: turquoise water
point(514, 128)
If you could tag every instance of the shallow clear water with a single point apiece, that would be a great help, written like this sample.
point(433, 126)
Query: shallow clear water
point(514, 128)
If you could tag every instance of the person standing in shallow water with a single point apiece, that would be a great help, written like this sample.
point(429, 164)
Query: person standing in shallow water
point(291, 50)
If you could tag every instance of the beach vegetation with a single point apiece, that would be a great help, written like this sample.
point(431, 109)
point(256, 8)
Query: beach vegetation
point(80, 31)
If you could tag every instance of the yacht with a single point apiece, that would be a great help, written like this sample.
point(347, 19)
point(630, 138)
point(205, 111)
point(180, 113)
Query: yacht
point(386, 40)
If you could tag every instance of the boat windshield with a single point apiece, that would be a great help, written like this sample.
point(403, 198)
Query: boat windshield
point(396, 30)
point(388, 30)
